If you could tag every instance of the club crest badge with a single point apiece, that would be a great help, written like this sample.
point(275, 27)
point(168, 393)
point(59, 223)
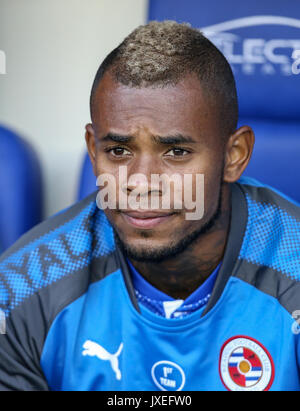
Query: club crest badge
point(245, 365)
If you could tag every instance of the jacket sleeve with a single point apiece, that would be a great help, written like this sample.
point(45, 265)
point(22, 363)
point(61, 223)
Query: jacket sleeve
point(21, 341)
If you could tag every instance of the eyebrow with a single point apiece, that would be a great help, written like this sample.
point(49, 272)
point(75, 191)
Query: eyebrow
point(167, 140)
point(117, 138)
point(176, 139)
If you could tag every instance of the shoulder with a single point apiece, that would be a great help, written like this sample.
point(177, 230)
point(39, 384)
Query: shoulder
point(55, 250)
point(273, 224)
point(259, 193)
point(270, 252)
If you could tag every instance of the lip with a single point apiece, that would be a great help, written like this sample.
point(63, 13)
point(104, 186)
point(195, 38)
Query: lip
point(144, 220)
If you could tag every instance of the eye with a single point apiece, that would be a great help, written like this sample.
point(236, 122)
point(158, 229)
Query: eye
point(118, 151)
point(177, 152)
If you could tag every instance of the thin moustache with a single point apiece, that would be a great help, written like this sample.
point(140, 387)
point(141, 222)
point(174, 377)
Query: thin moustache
point(147, 214)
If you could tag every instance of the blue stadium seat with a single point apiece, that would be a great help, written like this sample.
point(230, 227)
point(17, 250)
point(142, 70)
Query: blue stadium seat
point(21, 196)
point(259, 40)
point(276, 155)
point(87, 183)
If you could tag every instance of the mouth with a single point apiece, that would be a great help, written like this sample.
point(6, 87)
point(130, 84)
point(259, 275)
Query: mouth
point(146, 220)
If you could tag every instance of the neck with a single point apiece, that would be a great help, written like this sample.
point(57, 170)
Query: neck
point(184, 273)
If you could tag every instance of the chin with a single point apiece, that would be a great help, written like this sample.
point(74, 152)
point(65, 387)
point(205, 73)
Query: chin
point(144, 249)
point(143, 244)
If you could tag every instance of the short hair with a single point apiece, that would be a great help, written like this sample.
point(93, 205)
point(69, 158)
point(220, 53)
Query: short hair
point(160, 54)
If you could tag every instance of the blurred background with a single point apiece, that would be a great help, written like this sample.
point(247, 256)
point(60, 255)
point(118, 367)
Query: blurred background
point(50, 51)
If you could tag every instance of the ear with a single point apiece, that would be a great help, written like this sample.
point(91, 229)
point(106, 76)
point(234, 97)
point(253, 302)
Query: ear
point(238, 153)
point(91, 145)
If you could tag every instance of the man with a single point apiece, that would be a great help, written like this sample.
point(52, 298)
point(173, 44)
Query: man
point(147, 298)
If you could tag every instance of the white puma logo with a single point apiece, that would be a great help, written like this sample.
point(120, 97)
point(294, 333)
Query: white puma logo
point(95, 350)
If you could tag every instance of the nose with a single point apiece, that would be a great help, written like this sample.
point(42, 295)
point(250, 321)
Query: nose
point(141, 183)
point(137, 180)
point(139, 177)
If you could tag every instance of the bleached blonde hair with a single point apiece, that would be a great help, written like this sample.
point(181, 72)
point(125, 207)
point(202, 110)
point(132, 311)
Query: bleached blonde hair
point(160, 54)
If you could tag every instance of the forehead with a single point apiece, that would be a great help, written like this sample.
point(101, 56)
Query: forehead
point(182, 108)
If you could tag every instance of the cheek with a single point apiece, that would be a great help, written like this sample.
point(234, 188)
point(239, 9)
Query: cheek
point(101, 164)
point(213, 182)
point(107, 182)
point(206, 183)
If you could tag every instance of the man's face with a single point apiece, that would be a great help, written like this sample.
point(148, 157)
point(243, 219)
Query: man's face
point(169, 130)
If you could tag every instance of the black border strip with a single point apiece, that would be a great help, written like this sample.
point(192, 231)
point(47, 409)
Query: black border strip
point(239, 217)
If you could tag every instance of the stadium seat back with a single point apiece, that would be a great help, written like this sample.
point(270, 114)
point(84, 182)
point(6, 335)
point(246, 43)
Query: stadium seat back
point(87, 183)
point(261, 41)
point(21, 194)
